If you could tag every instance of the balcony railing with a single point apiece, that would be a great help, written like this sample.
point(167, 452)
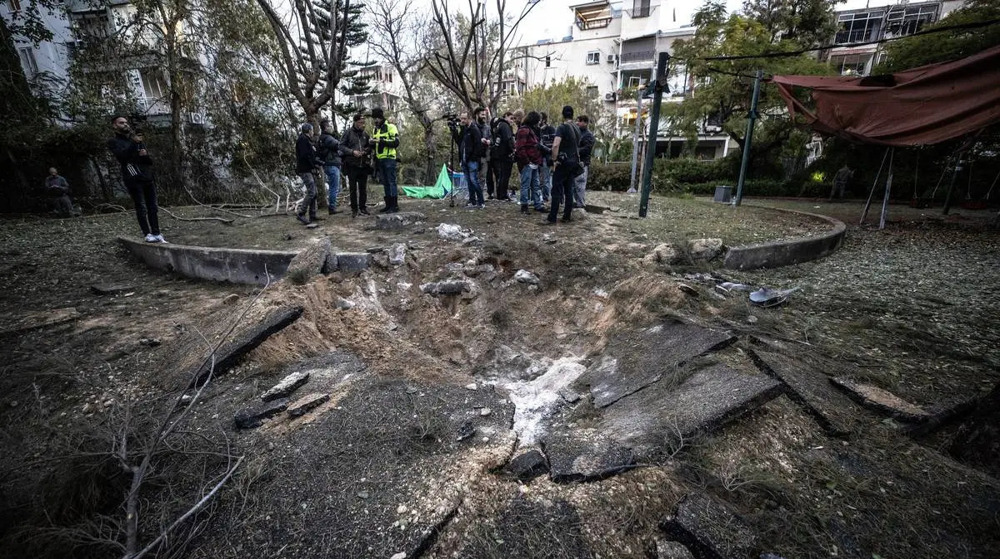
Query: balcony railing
point(638, 56)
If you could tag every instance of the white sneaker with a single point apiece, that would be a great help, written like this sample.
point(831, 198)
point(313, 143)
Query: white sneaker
point(151, 238)
point(159, 239)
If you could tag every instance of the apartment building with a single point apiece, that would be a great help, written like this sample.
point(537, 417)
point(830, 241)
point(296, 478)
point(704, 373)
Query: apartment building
point(868, 21)
point(81, 24)
point(613, 46)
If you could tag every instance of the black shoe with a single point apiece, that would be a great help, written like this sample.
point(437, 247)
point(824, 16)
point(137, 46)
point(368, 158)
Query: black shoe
point(566, 219)
point(334, 211)
point(354, 213)
point(364, 211)
point(388, 205)
point(541, 209)
point(549, 222)
point(302, 219)
point(524, 208)
point(394, 208)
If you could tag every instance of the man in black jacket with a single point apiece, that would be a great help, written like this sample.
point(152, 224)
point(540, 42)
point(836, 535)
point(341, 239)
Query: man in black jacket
point(357, 164)
point(137, 174)
point(586, 148)
point(305, 162)
point(501, 156)
point(546, 135)
point(470, 150)
point(329, 152)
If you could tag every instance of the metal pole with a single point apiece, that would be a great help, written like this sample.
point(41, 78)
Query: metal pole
point(635, 140)
point(868, 204)
point(749, 140)
point(888, 188)
point(654, 129)
point(951, 187)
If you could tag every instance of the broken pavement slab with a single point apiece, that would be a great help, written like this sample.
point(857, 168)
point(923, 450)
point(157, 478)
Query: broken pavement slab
point(663, 417)
point(244, 342)
point(307, 403)
point(585, 455)
point(312, 260)
point(835, 412)
point(250, 418)
point(710, 529)
point(286, 386)
point(527, 465)
point(881, 400)
point(634, 362)
point(353, 262)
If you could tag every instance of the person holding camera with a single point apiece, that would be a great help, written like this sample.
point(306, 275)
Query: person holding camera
point(470, 150)
point(566, 159)
point(129, 149)
point(357, 164)
point(384, 141)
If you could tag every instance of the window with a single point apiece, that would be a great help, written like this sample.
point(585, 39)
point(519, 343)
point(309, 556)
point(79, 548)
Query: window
point(640, 8)
point(28, 61)
point(859, 26)
point(636, 81)
point(593, 57)
point(548, 61)
point(907, 20)
point(14, 5)
point(593, 16)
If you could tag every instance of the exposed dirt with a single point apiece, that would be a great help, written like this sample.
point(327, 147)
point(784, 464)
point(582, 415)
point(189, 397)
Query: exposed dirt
point(378, 470)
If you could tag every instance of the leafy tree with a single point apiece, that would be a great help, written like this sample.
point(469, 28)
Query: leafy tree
point(911, 52)
point(724, 87)
point(553, 96)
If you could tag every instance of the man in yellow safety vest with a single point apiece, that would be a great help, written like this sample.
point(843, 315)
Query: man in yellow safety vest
point(385, 140)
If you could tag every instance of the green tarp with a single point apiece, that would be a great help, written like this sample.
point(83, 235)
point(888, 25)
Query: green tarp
point(440, 189)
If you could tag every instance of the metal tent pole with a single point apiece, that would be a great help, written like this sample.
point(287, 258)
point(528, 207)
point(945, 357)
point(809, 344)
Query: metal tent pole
point(868, 204)
point(888, 188)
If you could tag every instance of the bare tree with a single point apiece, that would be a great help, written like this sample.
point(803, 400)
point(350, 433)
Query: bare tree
point(470, 61)
point(313, 50)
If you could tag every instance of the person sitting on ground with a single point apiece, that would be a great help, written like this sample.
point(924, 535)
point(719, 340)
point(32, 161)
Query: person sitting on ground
point(58, 191)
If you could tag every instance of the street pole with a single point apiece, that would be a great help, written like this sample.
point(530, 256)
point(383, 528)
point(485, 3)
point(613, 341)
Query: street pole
point(635, 139)
point(654, 128)
point(749, 139)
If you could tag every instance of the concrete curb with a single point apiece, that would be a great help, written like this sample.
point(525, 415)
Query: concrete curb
point(784, 253)
point(216, 264)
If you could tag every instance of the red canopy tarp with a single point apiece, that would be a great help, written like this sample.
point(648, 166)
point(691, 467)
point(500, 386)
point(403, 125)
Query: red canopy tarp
point(925, 105)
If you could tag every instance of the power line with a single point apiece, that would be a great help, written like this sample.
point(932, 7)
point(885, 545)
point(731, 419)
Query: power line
point(974, 25)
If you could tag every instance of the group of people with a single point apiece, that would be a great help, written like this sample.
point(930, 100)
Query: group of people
point(552, 161)
point(352, 156)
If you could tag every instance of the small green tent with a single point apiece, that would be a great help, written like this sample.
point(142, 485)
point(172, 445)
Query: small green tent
point(440, 189)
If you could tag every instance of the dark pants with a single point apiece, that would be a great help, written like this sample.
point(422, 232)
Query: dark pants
point(143, 195)
point(309, 202)
point(357, 182)
point(562, 192)
point(387, 174)
point(63, 205)
point(499, 174)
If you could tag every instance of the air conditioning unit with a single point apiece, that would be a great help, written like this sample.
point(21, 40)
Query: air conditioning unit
point(611, 59)
point(196, 118)
point(610, 97)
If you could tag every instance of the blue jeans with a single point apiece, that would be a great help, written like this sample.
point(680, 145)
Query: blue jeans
point(530, 187)
point(387, 173)
point(471, 170)
point(545, 178)
point(332, 184)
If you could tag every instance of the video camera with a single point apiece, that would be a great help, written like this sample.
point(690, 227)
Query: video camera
point(453, 119)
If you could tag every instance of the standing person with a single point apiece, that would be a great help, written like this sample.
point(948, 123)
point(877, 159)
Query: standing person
point(586, 149)
point(384, 141)
point(546, 133)
point(529, 159)
point(57, 188)
point(356, 164)
point(501, 155)
point(137, 174)
point(840, 181)
point(482, 120)
point(305, 162)
point(329, 152)
point(566, 155)
point(470, 148)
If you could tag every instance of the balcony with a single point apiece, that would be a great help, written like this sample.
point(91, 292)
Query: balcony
point(638, 57)
point(595, 15)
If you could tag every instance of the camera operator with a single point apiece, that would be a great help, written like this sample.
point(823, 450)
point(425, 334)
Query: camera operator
point(470, 150)
point(137, 174)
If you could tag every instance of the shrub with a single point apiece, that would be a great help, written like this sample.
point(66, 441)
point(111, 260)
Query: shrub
point(609, 176)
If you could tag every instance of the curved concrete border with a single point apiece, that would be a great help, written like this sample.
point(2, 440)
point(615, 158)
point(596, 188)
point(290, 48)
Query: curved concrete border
point(784, 253)
point(217, 264)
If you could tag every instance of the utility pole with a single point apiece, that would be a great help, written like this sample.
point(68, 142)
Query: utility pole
point(749, 140)
point(654, 127)
point(635, 138)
